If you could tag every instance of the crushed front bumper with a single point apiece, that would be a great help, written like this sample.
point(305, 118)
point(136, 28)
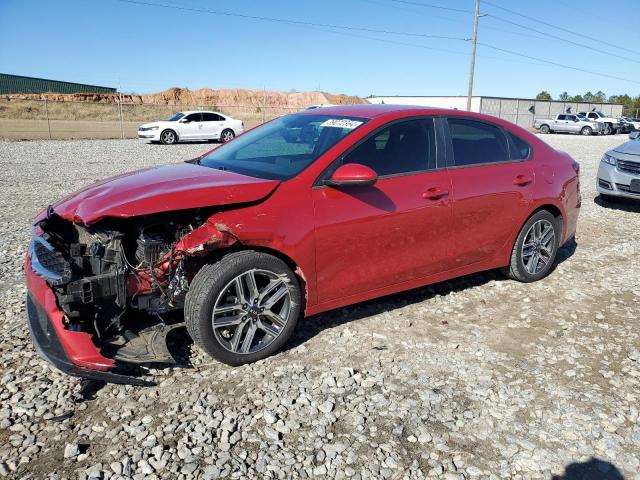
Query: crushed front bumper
point(70, 351)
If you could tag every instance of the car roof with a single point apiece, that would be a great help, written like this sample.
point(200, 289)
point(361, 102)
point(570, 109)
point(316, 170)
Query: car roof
point(389, 111)
point(188, 112)
point(367, 110)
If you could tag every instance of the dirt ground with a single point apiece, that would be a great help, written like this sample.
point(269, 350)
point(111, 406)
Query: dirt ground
point(479, 377)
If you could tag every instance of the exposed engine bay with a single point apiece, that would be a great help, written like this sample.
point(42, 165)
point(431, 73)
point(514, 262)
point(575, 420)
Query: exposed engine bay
point(120, 279)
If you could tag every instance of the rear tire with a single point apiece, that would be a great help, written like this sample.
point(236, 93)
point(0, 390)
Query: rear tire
point(227, 135)
point(168, 137)
point(534, 253)
point(545, 129)
point(586, 131)
point(229, 300)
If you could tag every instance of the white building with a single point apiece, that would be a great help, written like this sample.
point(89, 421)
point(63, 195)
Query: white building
point(516, 110)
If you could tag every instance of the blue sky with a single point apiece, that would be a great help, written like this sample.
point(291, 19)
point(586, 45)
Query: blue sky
point(146, 49)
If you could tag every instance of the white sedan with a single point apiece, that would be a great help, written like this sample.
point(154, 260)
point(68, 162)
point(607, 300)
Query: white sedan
point(190, 126)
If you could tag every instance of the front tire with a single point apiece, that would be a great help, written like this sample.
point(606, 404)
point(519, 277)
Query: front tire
point(608, 129)
point(168, 137)
point(244, 307)
point(586, 131)
point(227, 135)
point(535, 250)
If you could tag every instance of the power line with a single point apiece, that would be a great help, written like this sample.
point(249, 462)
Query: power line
point(525, 27)
point(288, 21)
point(577, 44)
point(555, 26)
point(561, 65)
point(430, 5)
point(449, 19)
point(316, 25)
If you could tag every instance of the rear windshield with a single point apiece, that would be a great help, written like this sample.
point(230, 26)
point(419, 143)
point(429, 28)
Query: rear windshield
point(282, 148)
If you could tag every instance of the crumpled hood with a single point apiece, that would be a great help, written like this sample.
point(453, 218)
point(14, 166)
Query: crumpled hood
point(160, 189)
point(632, 147)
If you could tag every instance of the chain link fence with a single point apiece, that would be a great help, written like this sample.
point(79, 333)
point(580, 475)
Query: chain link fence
point(45, 119)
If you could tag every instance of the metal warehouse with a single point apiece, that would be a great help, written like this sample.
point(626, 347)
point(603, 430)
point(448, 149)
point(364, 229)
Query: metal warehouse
point(19, 84)
point(516, 110)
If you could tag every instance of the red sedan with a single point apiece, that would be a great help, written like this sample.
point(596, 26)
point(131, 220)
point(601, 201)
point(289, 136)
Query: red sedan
point(306, 213)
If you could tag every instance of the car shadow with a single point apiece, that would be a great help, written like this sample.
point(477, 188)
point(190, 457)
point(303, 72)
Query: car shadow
point(180, 343)
point(593, 469)
point(618, 203)
point(190, 142)
point(566, 251)
point(312, 326)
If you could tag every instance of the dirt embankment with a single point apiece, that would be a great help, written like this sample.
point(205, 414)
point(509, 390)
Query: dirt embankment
point(204, 96)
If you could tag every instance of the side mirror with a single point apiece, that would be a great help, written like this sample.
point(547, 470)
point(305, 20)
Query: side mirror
point(576, 120)
point(185, 120)
point(352, 174)
point(634, 135)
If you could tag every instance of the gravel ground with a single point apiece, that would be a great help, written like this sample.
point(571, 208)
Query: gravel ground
point(474, 378)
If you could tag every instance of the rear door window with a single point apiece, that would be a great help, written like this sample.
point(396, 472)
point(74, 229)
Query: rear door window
point(476, 142)
point(518, 148)
point(211, 117)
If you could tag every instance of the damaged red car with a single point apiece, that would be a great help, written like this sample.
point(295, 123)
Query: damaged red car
point(306, 213)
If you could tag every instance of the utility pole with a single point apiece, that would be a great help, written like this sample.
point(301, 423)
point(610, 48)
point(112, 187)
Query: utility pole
point(474, 41)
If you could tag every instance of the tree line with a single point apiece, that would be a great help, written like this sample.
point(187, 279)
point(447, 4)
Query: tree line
point(631, 104)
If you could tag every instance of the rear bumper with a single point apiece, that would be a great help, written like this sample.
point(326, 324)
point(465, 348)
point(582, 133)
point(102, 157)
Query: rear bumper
point(71, 352)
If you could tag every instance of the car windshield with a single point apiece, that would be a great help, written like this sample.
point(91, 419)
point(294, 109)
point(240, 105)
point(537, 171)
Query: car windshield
point(175, 117)
point(282, 148)
point(600, 114)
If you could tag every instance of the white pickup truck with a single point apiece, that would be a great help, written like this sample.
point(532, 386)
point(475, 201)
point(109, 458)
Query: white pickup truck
point(611, 124)
point(568, 122)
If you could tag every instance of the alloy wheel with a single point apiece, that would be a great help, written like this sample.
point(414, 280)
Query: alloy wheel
point(251, 311)
point(227, 136)
point(538, 246)
point(168, 137)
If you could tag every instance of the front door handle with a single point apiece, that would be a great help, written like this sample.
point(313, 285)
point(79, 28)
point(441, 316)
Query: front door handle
point(522, 180)
point(434, 193)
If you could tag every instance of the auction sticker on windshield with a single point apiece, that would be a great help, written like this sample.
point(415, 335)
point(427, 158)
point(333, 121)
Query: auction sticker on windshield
point(341, 123)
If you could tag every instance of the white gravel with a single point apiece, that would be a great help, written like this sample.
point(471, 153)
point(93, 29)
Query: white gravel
point(473, 378)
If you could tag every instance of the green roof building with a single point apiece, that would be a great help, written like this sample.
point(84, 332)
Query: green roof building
point(20, 84)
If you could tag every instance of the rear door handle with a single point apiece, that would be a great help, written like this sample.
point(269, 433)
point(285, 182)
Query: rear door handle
point(522, 180)
point(434, 193)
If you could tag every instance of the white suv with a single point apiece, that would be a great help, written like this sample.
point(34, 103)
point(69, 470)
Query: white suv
point(611, 124)
point(194, 125)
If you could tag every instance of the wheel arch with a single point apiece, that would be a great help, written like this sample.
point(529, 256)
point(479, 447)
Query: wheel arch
point(171, 129)
point(553, 209)
point(197, 263)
